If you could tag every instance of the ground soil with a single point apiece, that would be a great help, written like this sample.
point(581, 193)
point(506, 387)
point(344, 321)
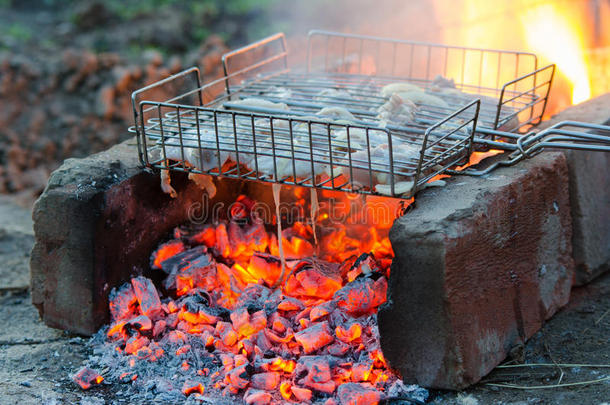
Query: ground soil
point(36, 361)
point(68, 68)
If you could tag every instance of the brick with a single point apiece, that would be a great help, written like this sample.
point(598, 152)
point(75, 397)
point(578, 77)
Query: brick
point(95, 226)
point(589, 194)
point(480, 265)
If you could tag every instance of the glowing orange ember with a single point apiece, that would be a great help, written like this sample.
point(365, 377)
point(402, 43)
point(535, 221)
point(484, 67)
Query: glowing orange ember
point(263, 335)
point(166, 251)
point(86, 378)
point(193, 388)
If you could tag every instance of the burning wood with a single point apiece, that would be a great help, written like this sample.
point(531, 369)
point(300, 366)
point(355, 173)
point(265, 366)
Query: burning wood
point(221, 326)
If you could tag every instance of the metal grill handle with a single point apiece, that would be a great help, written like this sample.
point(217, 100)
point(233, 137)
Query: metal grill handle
point(582, 136)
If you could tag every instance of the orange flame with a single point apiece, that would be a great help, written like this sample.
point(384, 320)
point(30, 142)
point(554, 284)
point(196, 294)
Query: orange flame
point(573, 35)
point(550, 32)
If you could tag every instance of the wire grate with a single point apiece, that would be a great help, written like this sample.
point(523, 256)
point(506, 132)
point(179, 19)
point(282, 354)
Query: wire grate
point(326, 128)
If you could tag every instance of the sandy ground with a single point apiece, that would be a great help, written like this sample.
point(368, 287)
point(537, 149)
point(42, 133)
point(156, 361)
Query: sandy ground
point(36, 361)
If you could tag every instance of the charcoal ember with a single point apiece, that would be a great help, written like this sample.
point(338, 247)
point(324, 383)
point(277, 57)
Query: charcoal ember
point(312, 283)
point(122, 302)
point(295, 343)
point(246, 324)
point(398, 389)
point(139, 324)
point(337, 348)
point(362, 296)
point(86, 378)
point(134, 344)
point(315, 337)
point(361, 371)
point(196, 299)
point(172, 320)
point(198, 307)
point(201, 316)
point(340, 317)
point(247, 346)
point(291, 304)
point(257, 397)
point(225, 331)
point(174, 337)
point(357, 394)
point(228, 361)
point(245, 240)
point(347, 335)
point(159, 328)
point(147, 296)
point(317, 373)
point(346, 265)
point(177, 262)
point(278, 323)
point(365, 265)
point(265, 381)
point(253, 295)
point(192, 387)
point(164, 252)
point(205, 236)
point(193, 268)
point(302, 394)
point(322, 310)
point(267, 266)
point(263, 342)
point(239, 377)
point(278, 364)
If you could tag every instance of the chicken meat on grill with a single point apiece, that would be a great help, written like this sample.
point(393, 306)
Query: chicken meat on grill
point(269, 139)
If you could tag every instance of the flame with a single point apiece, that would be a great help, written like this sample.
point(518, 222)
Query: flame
point(550, 32)
point(573, 35)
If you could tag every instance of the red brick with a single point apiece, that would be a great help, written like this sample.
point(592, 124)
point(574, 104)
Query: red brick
point(480, 265)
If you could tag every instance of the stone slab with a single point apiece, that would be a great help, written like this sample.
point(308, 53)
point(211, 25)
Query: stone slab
point(589, 193)
point(480, 265)
point(95, 225)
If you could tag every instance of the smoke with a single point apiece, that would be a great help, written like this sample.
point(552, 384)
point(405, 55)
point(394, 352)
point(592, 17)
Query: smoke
point(401, 19)
point(498, 24)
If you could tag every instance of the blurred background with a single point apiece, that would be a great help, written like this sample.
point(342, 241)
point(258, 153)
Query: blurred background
point(67, 67)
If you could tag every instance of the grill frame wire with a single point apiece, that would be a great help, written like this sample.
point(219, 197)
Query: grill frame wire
point(430, 163)
point(468, 56)
point(565, 135)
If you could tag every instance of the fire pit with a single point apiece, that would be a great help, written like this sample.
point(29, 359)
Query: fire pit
point(253, 301)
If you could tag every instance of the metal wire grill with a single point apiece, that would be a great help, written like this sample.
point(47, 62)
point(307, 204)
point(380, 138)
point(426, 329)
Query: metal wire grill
point(512, 87)
point(299, 148)
point(207, 129)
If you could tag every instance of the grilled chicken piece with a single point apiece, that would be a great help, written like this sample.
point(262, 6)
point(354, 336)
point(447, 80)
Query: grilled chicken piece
point(261, 103)
point(202, 159)
point(397, 111)
point(418, 97)
point(388, 90)
point(327, 94)
point(380, 161)
point(339, 113)
point(358, 138)
point(279, 92)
